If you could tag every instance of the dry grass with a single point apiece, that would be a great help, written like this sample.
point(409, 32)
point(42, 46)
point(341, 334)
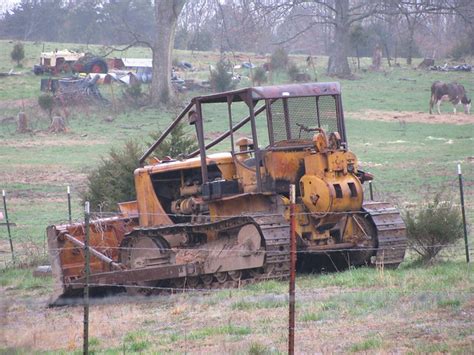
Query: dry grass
point(393, 311)
point(404, 117)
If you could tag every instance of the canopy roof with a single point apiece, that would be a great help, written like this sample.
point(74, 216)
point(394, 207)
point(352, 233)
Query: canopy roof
point(274, 92)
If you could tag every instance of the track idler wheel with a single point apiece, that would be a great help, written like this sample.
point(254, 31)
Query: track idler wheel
point(235, 275)
point(192, 282)
point(178, 283)
point(255, 273)
point(140, 251)
point(207, 280)
point(221, 277)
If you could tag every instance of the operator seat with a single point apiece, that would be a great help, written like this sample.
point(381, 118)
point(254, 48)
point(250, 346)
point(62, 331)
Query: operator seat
point(244, 155)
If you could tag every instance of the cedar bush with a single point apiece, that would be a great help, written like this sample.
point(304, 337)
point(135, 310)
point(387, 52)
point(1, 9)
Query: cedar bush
point(434, 228)
point(293, 71)
point(18, 53)
point(259, 75)
point(177, 144)
point(46, 102)
point(279, 59)
point(221, 77)
point(134, 96)
point(113, 181)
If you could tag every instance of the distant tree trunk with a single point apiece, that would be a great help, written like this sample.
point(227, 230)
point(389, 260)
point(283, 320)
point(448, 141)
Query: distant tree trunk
point(58, 125)
point(338, 64)
point(166, 17)
point(411, 40)
point(377, 58)
point(358, 57)
point(387, 52)
point(22, 125)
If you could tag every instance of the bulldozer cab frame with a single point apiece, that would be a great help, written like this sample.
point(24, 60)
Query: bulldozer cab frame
point(293, 113)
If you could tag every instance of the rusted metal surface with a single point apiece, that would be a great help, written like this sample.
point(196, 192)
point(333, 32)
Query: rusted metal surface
point(275, 91)
point(94, 252)
point(135, 276)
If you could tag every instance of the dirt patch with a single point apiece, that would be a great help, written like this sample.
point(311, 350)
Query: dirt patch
point(51, 140)
point(64, 330)
point(18, 103)
point(404, 117)
point(43, 175)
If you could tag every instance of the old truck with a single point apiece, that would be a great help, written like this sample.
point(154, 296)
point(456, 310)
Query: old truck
point(219, 217)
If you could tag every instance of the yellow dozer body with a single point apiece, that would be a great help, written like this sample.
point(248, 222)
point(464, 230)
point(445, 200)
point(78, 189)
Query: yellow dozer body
point(222, 219)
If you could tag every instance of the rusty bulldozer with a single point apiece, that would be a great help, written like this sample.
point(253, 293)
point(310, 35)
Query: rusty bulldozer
point(221, 219)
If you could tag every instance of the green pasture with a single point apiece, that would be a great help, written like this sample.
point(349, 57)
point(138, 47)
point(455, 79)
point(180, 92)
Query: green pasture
point(412, 162)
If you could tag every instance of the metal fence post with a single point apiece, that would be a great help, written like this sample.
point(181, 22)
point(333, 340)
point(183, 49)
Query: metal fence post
point(291, 318)
point(371, 191)
point(463, 211)
point(4, 195)
point(87, 271)
point(69, 203)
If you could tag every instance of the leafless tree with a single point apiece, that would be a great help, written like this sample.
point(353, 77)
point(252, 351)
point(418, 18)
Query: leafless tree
point(341, 15)
point(166, 18)
point(166, 14)
point(417, 13)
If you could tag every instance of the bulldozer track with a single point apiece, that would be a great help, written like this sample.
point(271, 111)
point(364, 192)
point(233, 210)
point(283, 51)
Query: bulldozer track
point(274, 230)
point(276, 233)
point(391, 233)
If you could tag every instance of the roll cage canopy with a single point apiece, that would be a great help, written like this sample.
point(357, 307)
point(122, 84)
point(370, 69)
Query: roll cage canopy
point(273, 92)
point(292, 113)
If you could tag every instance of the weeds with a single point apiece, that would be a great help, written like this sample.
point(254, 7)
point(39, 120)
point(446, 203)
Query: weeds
point(23, 279)
point(449, 303)
point(430, 348)
point(271, 286)
point(258, 349)
point(372, 343)
point(228, 329)
point(311, 317)
point(269, 301)
point(136, 341)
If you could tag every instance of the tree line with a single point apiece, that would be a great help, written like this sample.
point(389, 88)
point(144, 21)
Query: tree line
point(337, 28)
point(403, 28)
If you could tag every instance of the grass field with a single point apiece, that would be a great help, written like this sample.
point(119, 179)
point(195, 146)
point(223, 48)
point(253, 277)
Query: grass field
point(411, 310)
point(413, 155)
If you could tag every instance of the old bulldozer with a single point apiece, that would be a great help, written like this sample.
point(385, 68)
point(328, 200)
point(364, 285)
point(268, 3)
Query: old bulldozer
point(219, 216)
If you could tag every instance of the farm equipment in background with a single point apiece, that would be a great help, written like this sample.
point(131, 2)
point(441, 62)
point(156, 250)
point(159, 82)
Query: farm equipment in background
point(68, 61)
point(221, 219)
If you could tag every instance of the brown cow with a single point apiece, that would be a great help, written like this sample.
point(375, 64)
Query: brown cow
point(453, 92)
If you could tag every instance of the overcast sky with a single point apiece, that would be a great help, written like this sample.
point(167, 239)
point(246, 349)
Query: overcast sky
point(7, 4)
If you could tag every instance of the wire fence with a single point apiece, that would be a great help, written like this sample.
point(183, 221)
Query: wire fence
point(167, 320)
point(30, 251)
point(29, 235)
